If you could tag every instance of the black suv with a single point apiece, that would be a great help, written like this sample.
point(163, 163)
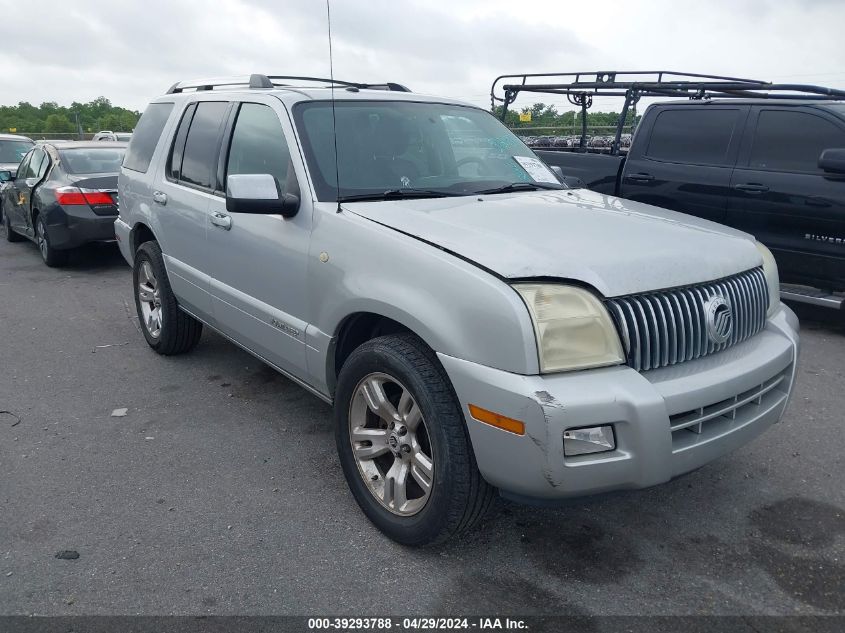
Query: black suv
point(767, 159)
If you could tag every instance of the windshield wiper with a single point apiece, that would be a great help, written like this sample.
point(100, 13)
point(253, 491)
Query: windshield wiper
point(398, 194)
point(519, 186)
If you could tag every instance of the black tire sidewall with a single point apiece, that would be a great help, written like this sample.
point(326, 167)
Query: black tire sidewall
point(151, 252)
point(53, 257)
point(11, 236)
point(433, 520)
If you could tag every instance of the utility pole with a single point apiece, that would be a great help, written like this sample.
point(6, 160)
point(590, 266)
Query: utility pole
point(78, 126)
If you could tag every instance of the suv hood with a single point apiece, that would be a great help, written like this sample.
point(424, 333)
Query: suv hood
point(617, 246)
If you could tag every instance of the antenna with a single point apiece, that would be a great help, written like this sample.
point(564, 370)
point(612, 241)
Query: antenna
point(334, 115)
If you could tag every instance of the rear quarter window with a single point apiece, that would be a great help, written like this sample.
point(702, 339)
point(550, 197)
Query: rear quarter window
point(692, 135)
point(146, 136)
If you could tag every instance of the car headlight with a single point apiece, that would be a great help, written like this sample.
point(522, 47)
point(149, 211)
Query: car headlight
point(770, 269)
point(573, 328)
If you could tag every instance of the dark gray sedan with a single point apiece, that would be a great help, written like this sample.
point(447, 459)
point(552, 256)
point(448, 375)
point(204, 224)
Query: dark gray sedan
point(63, 195)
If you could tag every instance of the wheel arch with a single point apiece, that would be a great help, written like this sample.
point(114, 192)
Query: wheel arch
point(353, 331)
point(139, 234)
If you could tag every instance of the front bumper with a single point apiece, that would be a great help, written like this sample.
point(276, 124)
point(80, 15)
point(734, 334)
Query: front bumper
point(72, 226)
point(751, 382)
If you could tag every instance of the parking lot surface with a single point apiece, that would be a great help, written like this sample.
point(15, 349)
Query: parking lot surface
point(219, 491)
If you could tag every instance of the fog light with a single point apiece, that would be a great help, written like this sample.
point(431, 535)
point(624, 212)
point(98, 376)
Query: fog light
point(591, 439)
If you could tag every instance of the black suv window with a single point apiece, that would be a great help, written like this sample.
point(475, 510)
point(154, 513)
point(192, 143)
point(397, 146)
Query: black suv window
point(692, 135)
point(146, 135)
point(792, 141)
point(202, 144)
point(259, 147)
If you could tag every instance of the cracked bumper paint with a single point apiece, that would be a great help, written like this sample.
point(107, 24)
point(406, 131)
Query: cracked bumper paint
point(751, 382)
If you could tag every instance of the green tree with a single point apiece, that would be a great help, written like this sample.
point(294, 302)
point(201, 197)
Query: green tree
point(58, 123)
point(27, 118)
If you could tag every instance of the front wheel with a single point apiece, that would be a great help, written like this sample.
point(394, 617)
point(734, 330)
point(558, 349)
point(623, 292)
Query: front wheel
point(403, 443)
point(167, 329)
point(11, 236)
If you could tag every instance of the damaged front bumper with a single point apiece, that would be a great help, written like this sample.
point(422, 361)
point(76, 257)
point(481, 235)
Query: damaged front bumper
point(666, 422)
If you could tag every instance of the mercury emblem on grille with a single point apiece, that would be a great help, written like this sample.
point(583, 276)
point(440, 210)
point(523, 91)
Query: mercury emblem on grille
point(719, 317)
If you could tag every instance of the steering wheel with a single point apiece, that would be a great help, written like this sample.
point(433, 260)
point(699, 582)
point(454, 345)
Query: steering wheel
point(483, 169)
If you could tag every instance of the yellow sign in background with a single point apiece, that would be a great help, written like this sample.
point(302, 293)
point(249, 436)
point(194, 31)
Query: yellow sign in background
point(525, 117)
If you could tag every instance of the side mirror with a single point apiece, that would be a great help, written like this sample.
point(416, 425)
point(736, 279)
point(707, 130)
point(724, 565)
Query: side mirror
point(5, 176)
point(259, 194)
point(557, 171)
point(833, 161)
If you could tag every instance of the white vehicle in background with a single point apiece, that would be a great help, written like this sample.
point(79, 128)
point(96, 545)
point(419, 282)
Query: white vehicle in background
point(108, 135)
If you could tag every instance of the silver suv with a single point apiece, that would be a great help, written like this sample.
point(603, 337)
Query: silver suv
point(478, 327)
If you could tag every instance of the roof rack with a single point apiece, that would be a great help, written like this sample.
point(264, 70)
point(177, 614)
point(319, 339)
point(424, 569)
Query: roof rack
point(256, 81)
point(580, 88)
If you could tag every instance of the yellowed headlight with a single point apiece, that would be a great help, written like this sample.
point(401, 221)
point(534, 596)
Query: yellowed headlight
point(573, 328)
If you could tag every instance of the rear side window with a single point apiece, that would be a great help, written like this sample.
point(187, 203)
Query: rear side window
point(694, 136)
point(33, 170)
point(199, 160)
point(24, 165)
point(792, 141)
point(259, 146)
point(91, 160)
point(174, 163)
point(146, 135)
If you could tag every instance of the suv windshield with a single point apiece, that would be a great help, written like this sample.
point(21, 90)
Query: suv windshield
point(14, 151)
point(410, 148)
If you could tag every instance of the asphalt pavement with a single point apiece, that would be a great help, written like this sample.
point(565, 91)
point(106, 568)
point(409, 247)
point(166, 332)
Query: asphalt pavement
point(219, 491)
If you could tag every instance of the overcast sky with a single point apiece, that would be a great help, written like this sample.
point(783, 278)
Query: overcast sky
point(131, 51)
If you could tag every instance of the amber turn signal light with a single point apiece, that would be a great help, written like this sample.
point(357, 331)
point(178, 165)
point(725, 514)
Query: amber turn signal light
point(499, 421)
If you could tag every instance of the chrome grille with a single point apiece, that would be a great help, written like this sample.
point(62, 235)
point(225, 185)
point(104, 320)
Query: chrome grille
point(670, 326)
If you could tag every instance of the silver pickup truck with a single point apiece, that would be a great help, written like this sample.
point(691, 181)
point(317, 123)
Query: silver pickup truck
point(479, 327)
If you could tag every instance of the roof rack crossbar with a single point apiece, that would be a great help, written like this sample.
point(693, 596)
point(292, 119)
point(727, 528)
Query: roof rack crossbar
point(656, 83)
point(258, 81)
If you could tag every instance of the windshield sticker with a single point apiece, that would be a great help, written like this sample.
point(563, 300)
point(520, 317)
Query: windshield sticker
point(536, 169)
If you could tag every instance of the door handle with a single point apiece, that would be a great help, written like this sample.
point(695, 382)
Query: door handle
point(641, 177)
point(751, 187)
point(222, 220)
point(159, 198)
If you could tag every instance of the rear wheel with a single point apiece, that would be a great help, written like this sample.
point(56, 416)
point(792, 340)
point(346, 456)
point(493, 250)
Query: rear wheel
point(167, 329)
point(403, 443)
point(51, 256)
point(11, 236)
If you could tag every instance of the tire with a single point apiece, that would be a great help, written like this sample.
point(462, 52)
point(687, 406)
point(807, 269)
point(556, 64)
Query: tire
point(51, 256)
point(458, 497)
point(11, 236)
point(170, 331)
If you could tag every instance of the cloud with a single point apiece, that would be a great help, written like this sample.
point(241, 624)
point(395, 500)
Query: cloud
point(131, 52)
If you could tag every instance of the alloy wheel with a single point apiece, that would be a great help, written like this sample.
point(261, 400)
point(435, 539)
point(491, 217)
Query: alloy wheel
point(391, 444)
point(149, 298)
point(40, 239)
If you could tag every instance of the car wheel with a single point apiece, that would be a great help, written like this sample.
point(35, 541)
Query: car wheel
point(50, 255)
point(11, 236)
point(403, 443)
point(167, 329)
